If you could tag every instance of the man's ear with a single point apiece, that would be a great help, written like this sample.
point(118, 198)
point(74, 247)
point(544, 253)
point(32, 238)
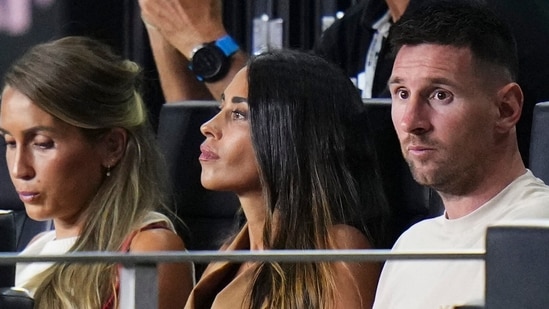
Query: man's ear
point(510, 99)
point(113, 145)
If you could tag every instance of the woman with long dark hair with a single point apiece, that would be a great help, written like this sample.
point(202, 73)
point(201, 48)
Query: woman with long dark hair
point(289, 142)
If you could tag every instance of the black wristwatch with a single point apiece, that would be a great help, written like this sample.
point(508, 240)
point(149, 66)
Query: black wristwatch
point(211, 61)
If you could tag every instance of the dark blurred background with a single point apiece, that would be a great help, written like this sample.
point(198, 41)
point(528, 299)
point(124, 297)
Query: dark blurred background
point(24, 23)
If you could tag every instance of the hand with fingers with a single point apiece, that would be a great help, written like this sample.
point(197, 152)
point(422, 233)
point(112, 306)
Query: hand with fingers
point(184, 23)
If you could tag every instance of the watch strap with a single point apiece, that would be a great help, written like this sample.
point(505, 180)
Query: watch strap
point(227, 44)
point(215, 67)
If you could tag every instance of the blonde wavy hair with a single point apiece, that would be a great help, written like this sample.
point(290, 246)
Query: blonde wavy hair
point(84, 83)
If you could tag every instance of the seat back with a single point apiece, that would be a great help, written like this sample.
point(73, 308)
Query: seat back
point(517, 273)
point(210, 217)
point(409, 202)
point(13, 298)
point(7, 244)
point(539, 142)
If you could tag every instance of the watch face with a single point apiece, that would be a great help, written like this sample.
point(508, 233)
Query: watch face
point(208, 62)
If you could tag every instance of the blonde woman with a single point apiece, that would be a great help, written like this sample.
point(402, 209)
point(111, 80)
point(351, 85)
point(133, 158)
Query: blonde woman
point(81, 153)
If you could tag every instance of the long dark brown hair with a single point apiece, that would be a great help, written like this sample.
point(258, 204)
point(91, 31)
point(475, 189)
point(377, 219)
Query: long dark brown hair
point(316, 167)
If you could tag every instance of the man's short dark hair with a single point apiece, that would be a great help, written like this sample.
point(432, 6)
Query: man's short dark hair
point(459, 23)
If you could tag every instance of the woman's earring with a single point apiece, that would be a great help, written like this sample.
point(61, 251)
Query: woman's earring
point(108, 171)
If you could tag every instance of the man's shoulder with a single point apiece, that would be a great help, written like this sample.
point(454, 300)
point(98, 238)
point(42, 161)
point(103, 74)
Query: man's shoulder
point(528, 191)
point(417, 233)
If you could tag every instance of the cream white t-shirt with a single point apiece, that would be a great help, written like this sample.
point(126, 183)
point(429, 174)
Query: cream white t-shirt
point(47, 244)
point(442, 284)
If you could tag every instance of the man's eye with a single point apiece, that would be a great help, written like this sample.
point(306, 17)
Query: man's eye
point(439, 95)
point(442, 96)
point(402, 94)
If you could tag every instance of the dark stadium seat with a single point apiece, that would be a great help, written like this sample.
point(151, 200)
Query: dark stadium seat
point(516, 265)
point(539, 142)
point(13, 298)
point(7, 244)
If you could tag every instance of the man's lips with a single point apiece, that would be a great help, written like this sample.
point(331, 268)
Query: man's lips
point(419, 150)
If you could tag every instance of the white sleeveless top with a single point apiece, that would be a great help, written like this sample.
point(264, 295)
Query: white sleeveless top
point(46, 244)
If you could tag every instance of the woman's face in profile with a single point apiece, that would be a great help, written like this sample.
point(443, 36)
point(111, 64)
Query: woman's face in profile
point(227, 157)
point(54, 168)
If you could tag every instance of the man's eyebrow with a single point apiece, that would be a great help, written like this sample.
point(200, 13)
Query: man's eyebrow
point(394, 80)
point(434, 80)
point(239, 100)
point(442, 81)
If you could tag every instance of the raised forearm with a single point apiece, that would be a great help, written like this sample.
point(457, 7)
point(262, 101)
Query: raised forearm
point(177, 81)
point(186, 24)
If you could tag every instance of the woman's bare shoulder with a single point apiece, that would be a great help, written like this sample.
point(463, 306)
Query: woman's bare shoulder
point(158, 239)
point(349, 237)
